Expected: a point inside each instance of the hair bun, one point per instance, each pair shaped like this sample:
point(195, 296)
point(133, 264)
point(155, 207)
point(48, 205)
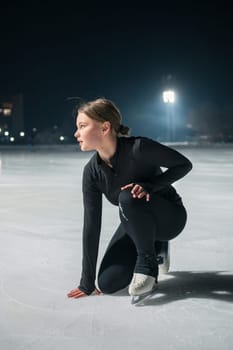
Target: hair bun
point(124, 130)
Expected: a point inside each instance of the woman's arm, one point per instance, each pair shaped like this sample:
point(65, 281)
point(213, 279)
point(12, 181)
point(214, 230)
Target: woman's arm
point(92, 201)
point(91, 234)
point(154, 154)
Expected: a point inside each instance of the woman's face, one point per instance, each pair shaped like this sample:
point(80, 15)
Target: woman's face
point(89, 133)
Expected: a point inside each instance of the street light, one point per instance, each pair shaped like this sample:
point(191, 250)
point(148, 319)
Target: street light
point(169, 99)
point(169, 96)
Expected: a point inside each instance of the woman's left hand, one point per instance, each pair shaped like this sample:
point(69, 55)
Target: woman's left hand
point(77, 293)
point(137, 191)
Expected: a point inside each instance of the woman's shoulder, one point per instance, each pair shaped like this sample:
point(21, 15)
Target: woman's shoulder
point(139, 142)
point(132, 140)
point(139, 145)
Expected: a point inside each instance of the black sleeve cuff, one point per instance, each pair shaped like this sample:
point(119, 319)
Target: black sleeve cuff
point(86, 291)
point(147, 186)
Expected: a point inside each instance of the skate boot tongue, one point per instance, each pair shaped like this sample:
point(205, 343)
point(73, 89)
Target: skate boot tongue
point(141, 283)
point(139, 279)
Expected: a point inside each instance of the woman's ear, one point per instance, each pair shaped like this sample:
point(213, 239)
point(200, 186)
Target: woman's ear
point(106, 127)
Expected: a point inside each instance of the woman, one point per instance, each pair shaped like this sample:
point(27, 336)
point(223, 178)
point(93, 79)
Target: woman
point(127, 171)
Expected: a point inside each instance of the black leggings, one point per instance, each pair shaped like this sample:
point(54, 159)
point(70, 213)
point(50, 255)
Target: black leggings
point(142, 224)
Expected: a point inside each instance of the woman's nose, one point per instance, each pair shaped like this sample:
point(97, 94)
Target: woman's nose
point(76, 134)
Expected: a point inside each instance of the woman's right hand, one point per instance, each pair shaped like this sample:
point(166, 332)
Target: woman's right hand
point(137, 191)
point(77, 293)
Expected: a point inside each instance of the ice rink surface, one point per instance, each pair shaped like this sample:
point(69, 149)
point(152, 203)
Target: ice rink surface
point(40, 260)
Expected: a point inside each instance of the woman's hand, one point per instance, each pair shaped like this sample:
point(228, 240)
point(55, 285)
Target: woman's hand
point(137, 191)
point(77, 293)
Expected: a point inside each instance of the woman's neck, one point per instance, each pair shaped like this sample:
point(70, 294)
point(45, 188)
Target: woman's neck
point(108, 150)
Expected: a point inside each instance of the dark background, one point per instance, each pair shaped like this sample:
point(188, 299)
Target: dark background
point(126, 52)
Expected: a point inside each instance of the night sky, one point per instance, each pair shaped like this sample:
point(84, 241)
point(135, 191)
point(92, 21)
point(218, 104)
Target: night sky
point(122, 52)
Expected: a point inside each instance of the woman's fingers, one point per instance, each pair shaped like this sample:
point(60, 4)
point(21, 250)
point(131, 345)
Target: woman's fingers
point(135, 188)
point(141, 194)
point(127, 186)
point(144, 194)
point(137, 191)
point(77, 293)
point(74, 292)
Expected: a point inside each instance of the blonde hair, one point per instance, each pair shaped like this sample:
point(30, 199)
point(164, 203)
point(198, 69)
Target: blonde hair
point(103, 110)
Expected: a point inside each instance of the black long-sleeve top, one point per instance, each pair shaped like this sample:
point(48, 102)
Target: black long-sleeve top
point(136, 160)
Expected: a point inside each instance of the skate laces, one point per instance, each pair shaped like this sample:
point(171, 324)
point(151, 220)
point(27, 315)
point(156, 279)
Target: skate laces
point(139, 280)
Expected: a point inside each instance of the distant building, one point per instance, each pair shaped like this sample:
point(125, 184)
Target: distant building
point(11, 114)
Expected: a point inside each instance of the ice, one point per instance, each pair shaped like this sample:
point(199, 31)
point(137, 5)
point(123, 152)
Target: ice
point(40, 249)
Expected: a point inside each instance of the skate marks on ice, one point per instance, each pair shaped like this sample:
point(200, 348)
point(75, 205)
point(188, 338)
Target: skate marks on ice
point(37, 291)
point(181, 285)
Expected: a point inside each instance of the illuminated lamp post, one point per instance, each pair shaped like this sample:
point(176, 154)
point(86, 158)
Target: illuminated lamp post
point(169, 100)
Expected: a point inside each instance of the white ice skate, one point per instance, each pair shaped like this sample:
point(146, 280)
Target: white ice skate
point(141, 287)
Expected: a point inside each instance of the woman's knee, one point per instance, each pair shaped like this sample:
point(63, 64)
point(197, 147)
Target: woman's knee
point(125, 197)
point(110, 285)
point(126, 204)
point(105, 288)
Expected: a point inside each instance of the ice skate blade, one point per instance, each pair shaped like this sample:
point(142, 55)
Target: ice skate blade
point(138, 299)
